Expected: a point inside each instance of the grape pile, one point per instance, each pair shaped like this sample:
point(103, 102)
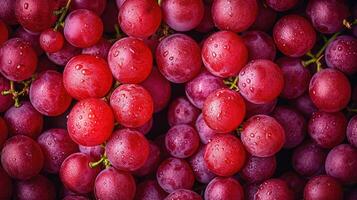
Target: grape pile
point(178, 99)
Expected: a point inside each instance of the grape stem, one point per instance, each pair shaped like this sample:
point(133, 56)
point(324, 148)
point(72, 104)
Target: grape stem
point(62, 12)
point(232, 83)
point(103, 159)
point(17, 94)
point(348, 24)
point(352, 110)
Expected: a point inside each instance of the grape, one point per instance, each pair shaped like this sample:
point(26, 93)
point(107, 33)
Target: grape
point(51, 41)
point(224, 110)
point(5, 100)
point(132, 105)
point(352, 131)
point(18, 60)
point(101, 49)
point(21, 157)
point(90, 122)
point(96, 6)
point(262, 136)
point(295, 182)
point(234, 16)
point(257, 109)
point(56, 146)
point(95, 152)
point(149, 190)
point(296, 77)
point(258, 169)
point(152, 163)
point(130, 60)
point(341, 162)
point(250, 190)
point(75, 197)
point(174, 174)
point(30, 37)
point(48, 95)
point(181, 111)
point(24, 120)
point(294, 35)
point(224, 54)
point(36, 15)
point(178, 58)
point(182, 15)
point(258, 88)
point(183, 194)
point(83, 28)
point(62, 56)
point(182, 141)
point(327, 15)
point(330, 90)
point(225, 155)
point(110, 17)
point(224, 188)
point(323, 187)
point(134, 13)
point(294, 125)
point(38, 187)
point(113, 184)
point(341, 54)
point(308, 159)
point(304, 104)
point(7, 12)
point(119, 3)
point(4, 32)
point(265, 18)
point(274, 189)
point(199, 167)
point(87, 76)
point(198, 89)
point(6, 185)
point(159, 89)
point(77, 175)
point(145, 129)
point(206, 23)
point(327, 129)
point(205, 133)
point(260, 45)
point(127, 150)
point(280, 6)
point(3, 132)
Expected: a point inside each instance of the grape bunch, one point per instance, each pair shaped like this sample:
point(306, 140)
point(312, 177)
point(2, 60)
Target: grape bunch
point(178, 99)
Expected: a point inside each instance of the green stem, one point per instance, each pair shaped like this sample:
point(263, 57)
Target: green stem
point(327, 43)
point(117, 31)
point(95, 164)
point(352, 109)
point(308, 62)
point(63, 12)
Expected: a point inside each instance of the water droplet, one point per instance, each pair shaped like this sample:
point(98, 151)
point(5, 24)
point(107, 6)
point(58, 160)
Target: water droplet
point(131, 50)
point(21, 53)
point(78, 67)
point(214, 54)
point(84, 71)
point(116, 53)
point(252, 135)
point(26, 5)
point(171, 58)
point(248, 80)
point(251, 89)
point(243, 85)
point(9, 61)
point(18, 66)
point(215, 45)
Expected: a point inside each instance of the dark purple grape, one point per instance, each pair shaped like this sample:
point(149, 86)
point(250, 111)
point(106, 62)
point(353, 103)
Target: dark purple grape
point(280, 6)
point(6, 185)
point(183, 194)
point(204, 131)
point(259, 109)
point(265, 19)
point(152, 163)
point(149, 190)
point(260, 45)
point(295, 182)
point(7, 12)
point(293, 123)
point(323, 187)
point(24, 120)
point(96, 6)
point(100, 49)
point(3, 132)
point(274, 189)
point(56, 146)
point(206, 23)
point(250, 189)
point(296, 77)
point(199, 167)
point(258, 169)
point(225, 189)
point(5, 100)
point(62, 56)
point(352, 131)
point(38, 187)
point(95, 152)
point(341, 162)
point(308, 159)
point(181, 111)
point(30, 37)
point(304, 104)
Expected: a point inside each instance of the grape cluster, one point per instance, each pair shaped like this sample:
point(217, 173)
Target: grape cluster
point(178, 99)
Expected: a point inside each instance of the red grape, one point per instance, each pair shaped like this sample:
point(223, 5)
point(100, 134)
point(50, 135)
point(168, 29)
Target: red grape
point(294, 35)
point(100, 49)
point(113, 184)
point(146, 128)
point(83, 28)
point(96, 6)
point(127, 150)
point(295, 182)
point(224, 189)
point(258, 169)
point(224, 54)
point(6, 185)
point(5, 100)
point(132, 105)
point(77, 175)
point(272, 189)
point(87, 76)
point(62, 56)
point(280, 6)
point(262, 136)
point(199, 167)
point(30, 37)
point(56, 146)
point(21, 157)
point(256, 86)
point(38, 187)
point(234, 16)
point(130, 60)
point(181, 111)
point(178, 58)
point(224, 110)
point(352, 131)
point(18, 60)
point(323, 187)
point(183, 15)
point(149, 190)
point(260, 45)
point(259, 109)
point(174, 174)
point(51, 41)
point(134, 14)
point(90, 122)
point(48, 94)
point(225, 155)
point(183, 194)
